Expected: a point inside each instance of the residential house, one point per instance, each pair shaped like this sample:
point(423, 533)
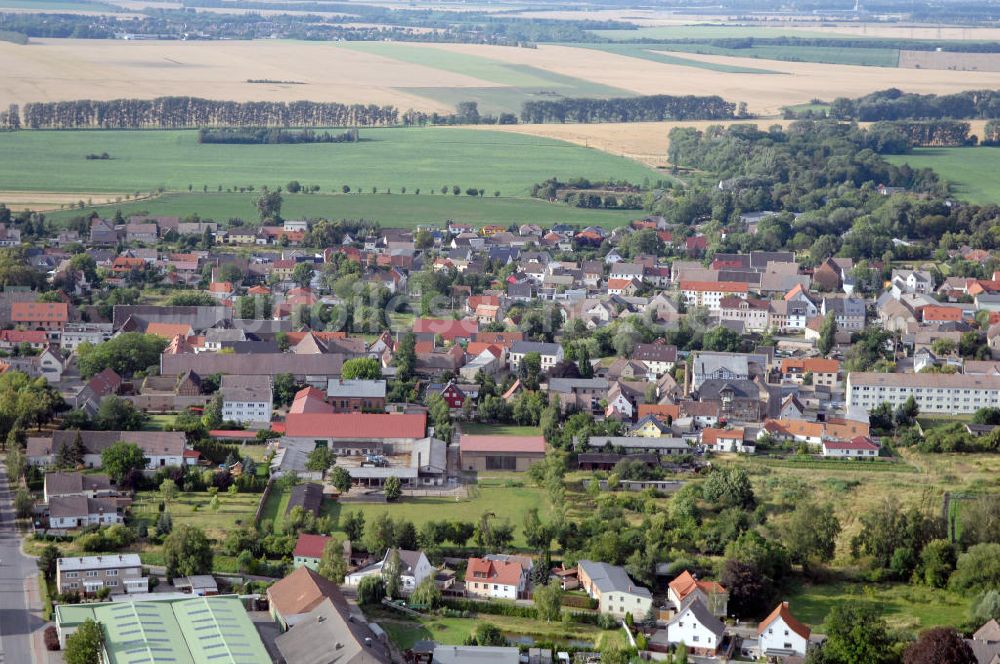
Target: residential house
point(659, 358)
point(698, 629)
point(16, 339)
point(709, 294)
point(79, 511)
point(119, 573)
point(782, 635)
point(103, 384)
point(74, 334)
point(551, 354)
point(849, 312)
point(353, 395)
point(579, 393)
point(148, 233)
point(860, 447)
point(614, 591)
point(686, 588)
point(161, 448)
point(413, 568)
point(726, 440)
point(823, 372)
point(829, 275)
point(451, 393)
point(309, 550)
point(512, 453)
point(247, 399)
point(48, 316)
point(345, 635)
point(495, 579)
point(76, 484)
point(748, 314)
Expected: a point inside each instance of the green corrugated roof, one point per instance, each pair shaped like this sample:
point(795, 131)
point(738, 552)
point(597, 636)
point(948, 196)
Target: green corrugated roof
point(71, 615)
point(200, 630)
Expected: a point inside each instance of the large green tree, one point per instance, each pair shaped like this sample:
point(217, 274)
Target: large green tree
point(187, 551)
point(361, 368)
point(121, 459)
point(84, 645)
point(810, 534)
point(857, 634)
point(126, 354)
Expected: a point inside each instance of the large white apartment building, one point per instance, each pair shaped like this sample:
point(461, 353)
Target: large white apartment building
point(709, 294)
point(934, 393)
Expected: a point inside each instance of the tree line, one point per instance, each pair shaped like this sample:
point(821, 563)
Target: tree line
point(937, 133)
point(182, 112)
point(834, 42)
point(650, 108)
point(273, 136)
point(894, 104)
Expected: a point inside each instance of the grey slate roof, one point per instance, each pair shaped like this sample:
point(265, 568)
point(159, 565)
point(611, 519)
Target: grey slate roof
point(370, 389)
point(611, 578)
point(240, 388)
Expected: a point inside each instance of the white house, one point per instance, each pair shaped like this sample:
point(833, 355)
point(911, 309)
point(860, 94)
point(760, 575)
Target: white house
point(697, 628)
point(495, 579)
point(551, 354)
point(861, 447)
point(70, 512)
point(780, 634)
point(247, 399)
point(709, 294)
point(414, 568)
point(616, 593)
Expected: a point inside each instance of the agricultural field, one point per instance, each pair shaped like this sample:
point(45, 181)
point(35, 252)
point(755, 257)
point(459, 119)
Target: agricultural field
point(971, 172)
point(395, 210)
point(838, 55)
point(434, 77)
point(424, 158)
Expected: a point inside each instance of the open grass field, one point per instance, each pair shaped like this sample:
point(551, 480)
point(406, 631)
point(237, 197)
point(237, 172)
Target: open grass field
point(904, 606)
point(405, 631)
point(971, 172)
point(395, 210)
point(234, 510)
point(425, 158)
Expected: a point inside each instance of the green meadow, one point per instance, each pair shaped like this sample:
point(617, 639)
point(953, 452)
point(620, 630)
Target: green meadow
point(386, 159)
point(396, 210)
point(971, 172)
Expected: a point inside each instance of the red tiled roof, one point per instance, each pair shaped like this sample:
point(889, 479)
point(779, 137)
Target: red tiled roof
point(528, 444)
point(310, 400)
point(858, 443)
point(685, 584)
point(714, 286)
point(782, 611)
point(29, 312)
point(353, 426)
point(810, 364)
point(712, 436)
point(234, 434)
point(24, 336)
point(448, 329)
point(495, 571)
point(310, 546)
point(942, 313)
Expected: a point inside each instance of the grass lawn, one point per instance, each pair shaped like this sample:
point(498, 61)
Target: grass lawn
point(396, 210)
point(904, 606)
point(932, 421)
point(969, 171)
point(235, 510)
point(425, 158)
point(159, 422)
point(479, 429)
point(453, 631)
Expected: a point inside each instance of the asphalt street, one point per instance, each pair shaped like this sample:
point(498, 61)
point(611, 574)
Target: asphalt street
point(16, 622)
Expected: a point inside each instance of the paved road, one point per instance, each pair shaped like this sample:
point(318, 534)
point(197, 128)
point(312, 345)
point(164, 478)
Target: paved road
point(16, 623)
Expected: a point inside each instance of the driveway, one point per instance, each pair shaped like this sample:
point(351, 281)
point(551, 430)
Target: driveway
point(17, 573)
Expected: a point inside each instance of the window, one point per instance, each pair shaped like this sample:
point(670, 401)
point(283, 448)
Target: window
point(92, 573)
point(114, 572)
point(695, 638)
point(72, 575)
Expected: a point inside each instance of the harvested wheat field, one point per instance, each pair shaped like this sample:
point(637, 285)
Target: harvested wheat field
point(766, 94)
point(64, 69)
point(645, 142)
point(49, 200)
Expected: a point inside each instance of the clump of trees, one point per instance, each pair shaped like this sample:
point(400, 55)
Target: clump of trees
point(651, 108)
point(273, 136)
